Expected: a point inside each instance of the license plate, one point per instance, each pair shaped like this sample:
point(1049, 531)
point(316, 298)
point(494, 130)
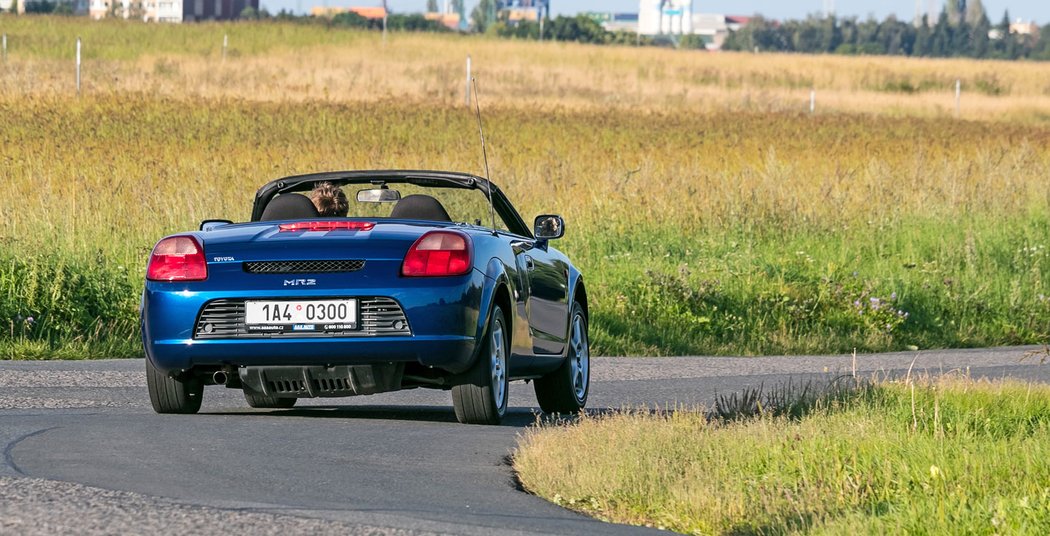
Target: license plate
point(301, 315)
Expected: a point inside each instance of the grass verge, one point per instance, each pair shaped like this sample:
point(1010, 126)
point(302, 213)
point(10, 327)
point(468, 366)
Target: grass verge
point(931, 457)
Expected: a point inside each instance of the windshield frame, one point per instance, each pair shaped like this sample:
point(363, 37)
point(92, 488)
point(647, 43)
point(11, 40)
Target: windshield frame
point(435, 179)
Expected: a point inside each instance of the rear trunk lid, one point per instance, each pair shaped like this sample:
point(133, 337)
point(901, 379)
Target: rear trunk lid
point(244, 243)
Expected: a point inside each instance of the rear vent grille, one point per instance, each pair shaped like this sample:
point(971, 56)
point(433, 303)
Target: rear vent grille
point(303, 267)
point(332, 385)
point(378, 317)
point(287, 386)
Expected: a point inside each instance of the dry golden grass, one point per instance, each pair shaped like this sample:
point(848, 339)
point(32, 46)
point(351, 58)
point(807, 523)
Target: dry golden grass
point(952, 456)
point(430, 68)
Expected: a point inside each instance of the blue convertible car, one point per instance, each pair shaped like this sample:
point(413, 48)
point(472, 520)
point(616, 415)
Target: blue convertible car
point(433, 280)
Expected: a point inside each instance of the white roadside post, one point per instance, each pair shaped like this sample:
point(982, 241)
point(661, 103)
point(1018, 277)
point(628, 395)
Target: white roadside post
point(225, 45)
point(466, 97)
point(958, 98)
point(386, 11)
point(812, 100)
point(5, 48)
point(78, 66)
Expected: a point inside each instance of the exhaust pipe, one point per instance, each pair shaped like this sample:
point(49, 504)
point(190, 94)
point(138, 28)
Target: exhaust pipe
point(220, 377)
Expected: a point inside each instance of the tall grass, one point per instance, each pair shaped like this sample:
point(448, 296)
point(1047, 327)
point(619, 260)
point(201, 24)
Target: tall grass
point(286, 61)
point(938, 457)
point(707, 229)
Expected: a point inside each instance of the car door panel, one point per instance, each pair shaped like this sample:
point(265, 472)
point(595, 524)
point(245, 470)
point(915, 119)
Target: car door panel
point(548, 300)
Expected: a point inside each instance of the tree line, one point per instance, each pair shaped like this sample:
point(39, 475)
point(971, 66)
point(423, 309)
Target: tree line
point(962, 29)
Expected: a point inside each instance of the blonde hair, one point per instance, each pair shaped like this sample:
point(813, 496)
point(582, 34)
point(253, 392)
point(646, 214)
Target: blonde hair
point(329, 200)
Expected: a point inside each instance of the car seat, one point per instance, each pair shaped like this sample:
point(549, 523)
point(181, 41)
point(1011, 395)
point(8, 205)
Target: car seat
point(420, 207)
point(289, 207)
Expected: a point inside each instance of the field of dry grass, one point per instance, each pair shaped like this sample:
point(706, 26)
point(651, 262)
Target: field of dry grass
point(710, 213)
point(279, 62)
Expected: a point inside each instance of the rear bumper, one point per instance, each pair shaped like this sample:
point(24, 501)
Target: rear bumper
point(449, 352)
point(442, 314)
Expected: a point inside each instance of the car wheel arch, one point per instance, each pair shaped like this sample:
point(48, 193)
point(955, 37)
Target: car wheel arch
point(579, 295)
point(496, 292)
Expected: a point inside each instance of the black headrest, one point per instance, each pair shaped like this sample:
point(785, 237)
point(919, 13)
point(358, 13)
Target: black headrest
point(420, 207)
point(289, 207)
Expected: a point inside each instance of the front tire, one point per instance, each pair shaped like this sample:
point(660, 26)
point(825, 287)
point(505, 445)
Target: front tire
point(483, 398)
point(259, 400)
point(171, 395)
point(565, 390)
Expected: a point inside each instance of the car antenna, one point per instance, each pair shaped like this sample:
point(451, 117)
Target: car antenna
point(484, 152)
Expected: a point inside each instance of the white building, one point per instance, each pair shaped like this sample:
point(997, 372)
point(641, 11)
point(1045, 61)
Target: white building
point(715, 28)
point(665, 17)
point(147, 10)
point(6, 5)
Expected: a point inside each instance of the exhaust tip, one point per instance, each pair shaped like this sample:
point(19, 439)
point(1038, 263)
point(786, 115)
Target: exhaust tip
point(220, 378)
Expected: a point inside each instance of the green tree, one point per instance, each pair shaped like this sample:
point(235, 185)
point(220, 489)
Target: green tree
point(1041, 51)
point(941, 40)
point(432, 6)
point(830, 36)
point(980, 44)
point(483, 15)
point(954, 9)
point(580, 28)
point(922, 38)
point(975, 12)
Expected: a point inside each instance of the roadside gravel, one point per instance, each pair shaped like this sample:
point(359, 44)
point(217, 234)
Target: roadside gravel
point(32, 506)
point(934, 361)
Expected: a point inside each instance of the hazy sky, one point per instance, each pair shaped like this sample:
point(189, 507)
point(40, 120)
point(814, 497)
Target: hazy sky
point(1039, 10)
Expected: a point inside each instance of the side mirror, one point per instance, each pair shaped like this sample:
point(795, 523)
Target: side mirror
point(548, 227)
point(208, 225)
point(378, 195)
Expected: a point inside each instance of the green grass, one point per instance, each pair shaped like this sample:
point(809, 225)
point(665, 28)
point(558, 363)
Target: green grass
point(734, 238)
point(944, 457)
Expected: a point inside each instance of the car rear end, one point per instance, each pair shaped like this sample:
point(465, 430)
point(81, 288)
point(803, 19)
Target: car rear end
point(287, 296)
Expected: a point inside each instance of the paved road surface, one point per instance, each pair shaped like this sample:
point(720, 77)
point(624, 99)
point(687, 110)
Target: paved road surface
point(83, 452)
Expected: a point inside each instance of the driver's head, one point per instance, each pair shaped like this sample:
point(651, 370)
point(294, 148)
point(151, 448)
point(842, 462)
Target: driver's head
point(329, 200)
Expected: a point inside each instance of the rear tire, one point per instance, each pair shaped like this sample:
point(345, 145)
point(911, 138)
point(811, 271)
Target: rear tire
point(259, 400)
point(170, 395)
point(565, 390)
point(483, 398)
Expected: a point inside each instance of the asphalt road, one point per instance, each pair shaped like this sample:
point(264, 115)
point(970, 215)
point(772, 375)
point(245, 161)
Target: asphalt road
point(84, 453)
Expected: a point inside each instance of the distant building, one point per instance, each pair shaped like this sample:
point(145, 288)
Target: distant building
point(1024, 28)
point(715, 28)
point(170, 10)
point(449, 17)
point(665, 17)
point(615, 22)
point(676, 18)
point(515, 11)
point(375, 13)
point(449, 20)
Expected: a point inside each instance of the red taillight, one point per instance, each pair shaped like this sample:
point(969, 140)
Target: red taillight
point(438, 253)
point(328, 226)
point(177, 258)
